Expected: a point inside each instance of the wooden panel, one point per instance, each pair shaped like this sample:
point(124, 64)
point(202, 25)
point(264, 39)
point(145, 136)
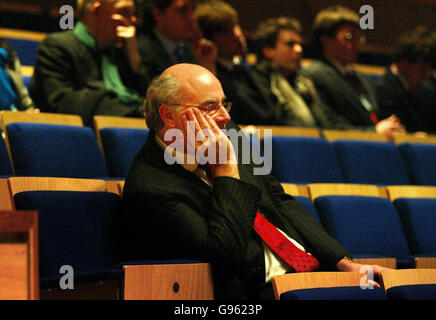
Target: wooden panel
point(405, 277)
point(119, 122)
point(22, 34)
point(157, 282)
point(307, 280)
point(332, 135)
point(384, 262)
point(40, 117)
point(425, 263)
point(20, 184)
point(14, 264)
point(114, 186)
point(395, 192)
point(295, 189)
point(19, 278)
point(27, 70)
point(281, 131)
point(120, 188)
point(5, 195)
point(342, 189)
point(411, 138)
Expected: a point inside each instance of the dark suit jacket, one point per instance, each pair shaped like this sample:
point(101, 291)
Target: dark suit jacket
point(154, 55)
point(171, 213)
point(304, 86)
point(394, 99)
point(425, 101)
point(340, 97)
point(68, 79)
point(252, 104)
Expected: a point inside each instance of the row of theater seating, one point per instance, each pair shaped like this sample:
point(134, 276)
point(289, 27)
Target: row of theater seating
point(79, 226)
point(57, 145)
point(396, 222)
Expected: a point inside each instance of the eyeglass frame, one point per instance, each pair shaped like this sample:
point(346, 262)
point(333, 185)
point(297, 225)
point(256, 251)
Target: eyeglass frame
point(203, 107)
point(349, 36)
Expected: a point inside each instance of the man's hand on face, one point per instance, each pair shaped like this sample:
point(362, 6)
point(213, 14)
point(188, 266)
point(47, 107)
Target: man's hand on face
point(126, 33)
point(203, 136)
point(204, 51)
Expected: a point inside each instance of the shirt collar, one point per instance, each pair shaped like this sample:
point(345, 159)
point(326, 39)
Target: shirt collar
point(181, 158)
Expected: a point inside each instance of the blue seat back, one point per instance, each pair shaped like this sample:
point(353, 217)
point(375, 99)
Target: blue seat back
point(412, 292)
point(335, 293)
point(365, 226)
point(26, 50)
point(55, 151)
point(370, 162)
point(120, 146)
point(420, 161)
point(75, 228)
point(419, 222)
point(304, 160)
point(308, 205)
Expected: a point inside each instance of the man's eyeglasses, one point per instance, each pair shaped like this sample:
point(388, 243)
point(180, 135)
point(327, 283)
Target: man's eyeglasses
point(207, 108)
point(349, 36)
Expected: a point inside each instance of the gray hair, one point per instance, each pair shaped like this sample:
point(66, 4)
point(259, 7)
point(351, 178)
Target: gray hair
point(163, 89)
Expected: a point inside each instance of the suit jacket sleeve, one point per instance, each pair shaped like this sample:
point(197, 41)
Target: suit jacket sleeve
point(61, 83)
point(315, 238)
point(219, 235)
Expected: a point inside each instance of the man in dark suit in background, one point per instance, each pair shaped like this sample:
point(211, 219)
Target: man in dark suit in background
point(252, 104)
point(396, 88)
point(211, 208)
point(94, 69)
point(280, 53)
point(172, 36)
point(347, 92)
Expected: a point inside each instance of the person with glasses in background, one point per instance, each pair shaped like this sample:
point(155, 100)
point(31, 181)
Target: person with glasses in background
point(347, 92)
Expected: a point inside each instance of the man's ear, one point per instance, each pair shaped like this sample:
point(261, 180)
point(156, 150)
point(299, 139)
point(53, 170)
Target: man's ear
point(267, 52)
point(167, 115)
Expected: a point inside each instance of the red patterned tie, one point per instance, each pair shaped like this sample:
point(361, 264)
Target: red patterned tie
point(296, 258)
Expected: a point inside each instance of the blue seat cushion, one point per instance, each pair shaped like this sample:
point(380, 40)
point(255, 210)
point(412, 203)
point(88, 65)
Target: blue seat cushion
point(5, 162)
point(308, 205)
point(420, 162)
point(120, 146)
point(335, 293)
point(79, 229)
point(369, 162)
point(55, 151)
point(304, 160)
point(412, 292)
point(360, 225)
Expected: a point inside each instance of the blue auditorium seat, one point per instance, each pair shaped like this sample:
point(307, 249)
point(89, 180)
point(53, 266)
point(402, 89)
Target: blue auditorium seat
point(120, 146)
point(304, 160)
point(48, 150)
point(26, 81)
point(76, 229)
point(419, 223)
point(368, 227)
point(412, 292)
point(26, 50)
point(370, 162)
point(5, 162)
point(335, 293)
point(308, 205)
point(420, 161)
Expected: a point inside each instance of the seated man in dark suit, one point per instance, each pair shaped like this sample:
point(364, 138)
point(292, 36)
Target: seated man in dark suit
point(252, 103)
point(348, 93)
point(426, 102)
point(213, 207)
point(172, 36)
point(280, 45)
point(94, 69)
point(396, 88)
